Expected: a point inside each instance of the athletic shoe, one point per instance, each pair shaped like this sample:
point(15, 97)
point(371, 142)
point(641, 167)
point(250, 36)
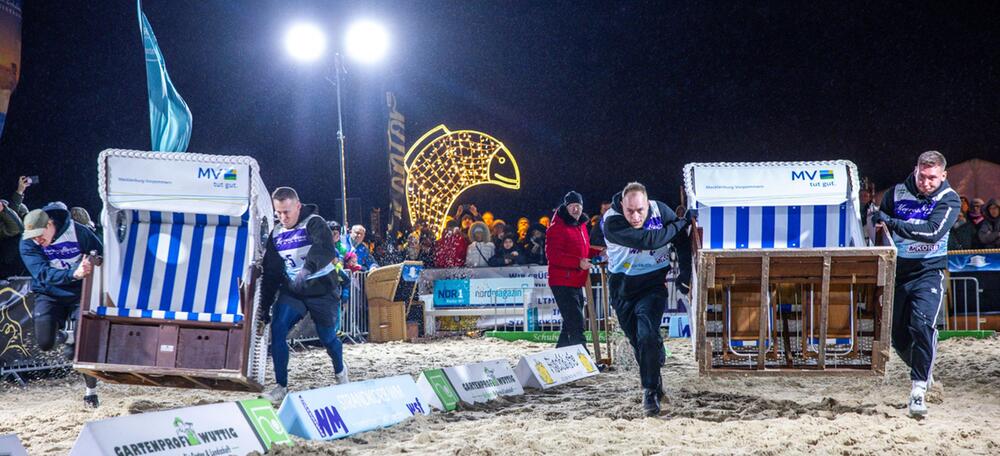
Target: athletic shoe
point(650, 402)
point(91, 401)
point(275, 395)
point(340, 378)
point(918, 407)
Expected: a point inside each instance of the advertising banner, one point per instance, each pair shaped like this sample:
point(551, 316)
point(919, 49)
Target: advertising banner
point(779, 185)
point(483, 382)
point(481, 292)
point(437, 390)
point(396, 145)
point(228, 428)
point(342, 410)
point(555, 367)
point(976, 262)
point(148, 184)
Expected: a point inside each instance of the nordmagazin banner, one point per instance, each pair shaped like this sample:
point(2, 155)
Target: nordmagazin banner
point(10, 53)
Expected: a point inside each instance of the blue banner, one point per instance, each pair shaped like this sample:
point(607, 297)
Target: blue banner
point(974, 262)
point(169, 117)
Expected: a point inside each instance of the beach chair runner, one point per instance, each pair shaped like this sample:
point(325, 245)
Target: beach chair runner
point(764, 209)
point(175, 301)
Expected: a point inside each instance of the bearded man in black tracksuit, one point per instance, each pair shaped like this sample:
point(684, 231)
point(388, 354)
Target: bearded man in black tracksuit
point(920, 213)
point(638, 233)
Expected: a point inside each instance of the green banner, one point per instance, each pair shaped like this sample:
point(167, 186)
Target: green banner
point(538, 336)
point(945, 335)
point(442, 387)
point(265, 422)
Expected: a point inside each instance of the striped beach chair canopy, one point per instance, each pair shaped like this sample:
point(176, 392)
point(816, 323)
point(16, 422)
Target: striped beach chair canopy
point(776, 204)
point(181, 232)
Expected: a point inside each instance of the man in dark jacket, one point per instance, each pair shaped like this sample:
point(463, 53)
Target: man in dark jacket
point(508, 253)
point(989, 230)
point(298, 268)
point(54, 249)
point(11, 213)
point(567, 248)
point(919, 212)
point(638, 233)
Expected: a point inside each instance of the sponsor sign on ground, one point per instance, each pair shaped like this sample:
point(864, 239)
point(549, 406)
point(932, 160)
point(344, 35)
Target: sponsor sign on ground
point(216, 430)
point(437, 390)
point(555, 367)
point(10, 445)
point(342, 410)
point(483, 382)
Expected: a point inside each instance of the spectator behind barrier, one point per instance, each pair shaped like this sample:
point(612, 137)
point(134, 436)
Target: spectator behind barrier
point(358, 246)
point(450, 250)
point(989, 230)
point(534, 245)
point(11, 213)
point(963, 234)
point(481, 249)
point(508, 253)
point(976, 212)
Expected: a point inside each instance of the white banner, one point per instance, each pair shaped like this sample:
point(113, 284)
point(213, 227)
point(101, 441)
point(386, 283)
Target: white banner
point(789, 185)
point(216, 429)
point(483, 382)
point(555, 367)
point(342, 410)
point(178, 186)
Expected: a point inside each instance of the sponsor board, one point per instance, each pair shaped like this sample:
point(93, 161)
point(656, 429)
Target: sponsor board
point(215, 430)
point(777, 185)
point(483, 382)
point(433, 384)
point(10, 445)
point(481, 292)
point(555, 367)
point(265, 422)
point(148, 184)
point(338, 411)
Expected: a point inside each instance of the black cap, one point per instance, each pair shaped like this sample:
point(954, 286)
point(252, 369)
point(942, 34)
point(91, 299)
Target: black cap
point(572, 197)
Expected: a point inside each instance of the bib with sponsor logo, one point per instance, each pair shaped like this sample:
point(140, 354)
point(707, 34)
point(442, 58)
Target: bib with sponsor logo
point(632, 262)
point(64, 252)
point(916, 210)
point(293, 245)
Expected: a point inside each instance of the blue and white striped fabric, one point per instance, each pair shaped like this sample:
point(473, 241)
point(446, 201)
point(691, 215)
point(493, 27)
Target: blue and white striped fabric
point(179, 266)
point(777, 227)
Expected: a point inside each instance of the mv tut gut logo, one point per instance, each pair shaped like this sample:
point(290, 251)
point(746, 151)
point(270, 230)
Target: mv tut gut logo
point(223, 177)
point(817, 178)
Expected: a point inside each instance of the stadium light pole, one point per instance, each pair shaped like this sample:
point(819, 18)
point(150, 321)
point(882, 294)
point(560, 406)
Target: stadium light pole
point(366, 42)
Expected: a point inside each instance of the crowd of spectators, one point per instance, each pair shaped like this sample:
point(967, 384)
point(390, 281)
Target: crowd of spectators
point(977, 227)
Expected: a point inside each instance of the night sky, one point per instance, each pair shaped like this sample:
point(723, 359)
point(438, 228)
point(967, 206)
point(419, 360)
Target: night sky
point(586, 95)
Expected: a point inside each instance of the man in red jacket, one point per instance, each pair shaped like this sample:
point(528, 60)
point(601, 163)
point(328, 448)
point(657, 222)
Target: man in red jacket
point(568, 250)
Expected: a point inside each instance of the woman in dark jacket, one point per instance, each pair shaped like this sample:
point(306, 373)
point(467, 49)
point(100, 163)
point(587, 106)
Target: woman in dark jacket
point(989, 230)
point(567, 247)
point(508, 253)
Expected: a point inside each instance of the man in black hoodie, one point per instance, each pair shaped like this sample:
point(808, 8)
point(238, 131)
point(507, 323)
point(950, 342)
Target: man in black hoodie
point(638, 233)
point(297, 267)
point(53, 248)
point(919, 212)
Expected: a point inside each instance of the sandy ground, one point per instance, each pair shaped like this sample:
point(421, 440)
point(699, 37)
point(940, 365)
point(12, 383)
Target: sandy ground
point(599, 415)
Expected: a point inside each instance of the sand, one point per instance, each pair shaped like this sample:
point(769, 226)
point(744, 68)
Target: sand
point(600, 415)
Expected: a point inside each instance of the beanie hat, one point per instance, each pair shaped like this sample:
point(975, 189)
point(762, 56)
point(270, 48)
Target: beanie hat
point(572, 197)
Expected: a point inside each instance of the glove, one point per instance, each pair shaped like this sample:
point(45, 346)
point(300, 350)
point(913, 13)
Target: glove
point(880, 217)
point(691, 214)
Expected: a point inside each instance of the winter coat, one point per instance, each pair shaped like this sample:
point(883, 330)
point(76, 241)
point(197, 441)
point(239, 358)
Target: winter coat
point(989, 230)
point(450, 250)
point(481, 249)
point(963, 237)
point(567, 241)
point(46, 278)
point(513, 256)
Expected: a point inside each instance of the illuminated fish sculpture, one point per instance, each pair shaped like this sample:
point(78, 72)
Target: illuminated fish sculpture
point(443, 163)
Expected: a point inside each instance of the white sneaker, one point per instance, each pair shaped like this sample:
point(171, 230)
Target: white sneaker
point(340, 378)
point(918, 406)
point(275, 395)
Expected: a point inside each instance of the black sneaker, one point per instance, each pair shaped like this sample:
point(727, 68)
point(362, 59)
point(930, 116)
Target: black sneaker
point(650, 402)
point(91, 401)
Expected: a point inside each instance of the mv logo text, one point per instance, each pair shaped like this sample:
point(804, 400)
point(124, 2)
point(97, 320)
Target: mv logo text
point(825, 177)
point(226, 175)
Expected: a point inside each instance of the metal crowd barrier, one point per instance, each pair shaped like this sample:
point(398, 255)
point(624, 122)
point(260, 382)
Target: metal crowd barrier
point(354, 314)
point(961, 289)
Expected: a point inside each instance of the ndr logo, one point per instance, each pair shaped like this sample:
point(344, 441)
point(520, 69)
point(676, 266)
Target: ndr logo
point(824, 174)
point(228, 174)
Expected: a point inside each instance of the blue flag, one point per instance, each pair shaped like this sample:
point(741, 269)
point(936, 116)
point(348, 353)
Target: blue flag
point(169, 116)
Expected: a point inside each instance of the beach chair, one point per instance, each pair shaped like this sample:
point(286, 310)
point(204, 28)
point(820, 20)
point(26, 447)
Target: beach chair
point(176, 300)
point(784, 276)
